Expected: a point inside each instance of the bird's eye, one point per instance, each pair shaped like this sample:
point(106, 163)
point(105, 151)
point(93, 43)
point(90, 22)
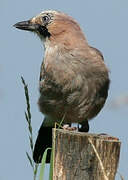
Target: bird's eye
point(45, 19)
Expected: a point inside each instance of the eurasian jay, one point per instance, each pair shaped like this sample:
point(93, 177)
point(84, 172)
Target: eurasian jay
point(74, 79)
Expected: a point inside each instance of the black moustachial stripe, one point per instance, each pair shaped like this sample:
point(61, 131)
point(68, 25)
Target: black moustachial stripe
point(43, 31)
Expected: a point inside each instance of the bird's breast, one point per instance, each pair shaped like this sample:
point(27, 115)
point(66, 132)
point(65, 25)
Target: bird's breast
point(71, 85)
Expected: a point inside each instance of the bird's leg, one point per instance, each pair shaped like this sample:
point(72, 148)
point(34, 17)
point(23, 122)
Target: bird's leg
point(84, 127)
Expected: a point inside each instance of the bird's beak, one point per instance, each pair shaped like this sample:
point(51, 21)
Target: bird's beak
point(32, 26)
point(26, 25)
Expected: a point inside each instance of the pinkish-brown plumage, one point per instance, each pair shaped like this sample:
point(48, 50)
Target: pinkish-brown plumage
point(74, 80)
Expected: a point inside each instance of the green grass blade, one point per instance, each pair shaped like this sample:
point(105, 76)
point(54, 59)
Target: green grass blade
point(43, 164)
point(52, 154)
point(29, 123)
point(29, 158)
point(51, 166)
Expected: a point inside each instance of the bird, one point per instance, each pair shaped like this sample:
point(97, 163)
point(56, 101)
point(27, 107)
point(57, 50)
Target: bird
point(74, 80)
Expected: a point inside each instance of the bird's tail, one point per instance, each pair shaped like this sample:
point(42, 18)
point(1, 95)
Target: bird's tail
point(43, 141)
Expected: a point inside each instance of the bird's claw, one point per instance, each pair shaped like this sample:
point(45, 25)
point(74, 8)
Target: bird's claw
point(67, 127)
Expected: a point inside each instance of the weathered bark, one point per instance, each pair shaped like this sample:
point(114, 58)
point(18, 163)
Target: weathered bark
point(84, 156)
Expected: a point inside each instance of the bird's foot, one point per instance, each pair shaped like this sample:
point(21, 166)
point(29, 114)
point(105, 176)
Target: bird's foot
point(67, 127)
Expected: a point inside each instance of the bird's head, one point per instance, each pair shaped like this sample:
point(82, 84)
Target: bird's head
point(54, 26)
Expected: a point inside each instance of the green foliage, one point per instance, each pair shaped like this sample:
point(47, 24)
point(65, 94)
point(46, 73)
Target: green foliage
point(43, 164)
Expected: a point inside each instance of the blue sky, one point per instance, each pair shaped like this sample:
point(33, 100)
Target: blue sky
point(105, 24)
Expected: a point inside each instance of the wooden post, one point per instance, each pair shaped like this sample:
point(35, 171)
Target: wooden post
point(84, 156)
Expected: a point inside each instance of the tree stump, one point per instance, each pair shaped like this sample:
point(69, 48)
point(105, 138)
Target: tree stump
point(84, 156)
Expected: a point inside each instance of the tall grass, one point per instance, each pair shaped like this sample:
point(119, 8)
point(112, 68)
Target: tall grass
point(28, 119)
point(35, 167)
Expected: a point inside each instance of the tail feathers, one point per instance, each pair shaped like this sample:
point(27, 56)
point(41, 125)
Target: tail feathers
point(43, 141)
